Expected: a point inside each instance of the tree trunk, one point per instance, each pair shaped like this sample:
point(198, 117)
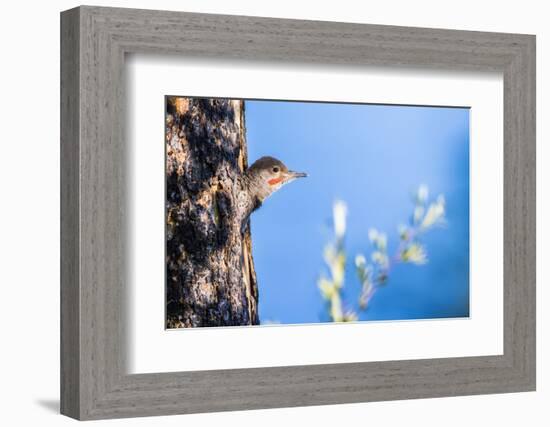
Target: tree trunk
point(210, 276)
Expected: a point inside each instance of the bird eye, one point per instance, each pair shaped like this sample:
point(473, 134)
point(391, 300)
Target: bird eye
point(275, 169)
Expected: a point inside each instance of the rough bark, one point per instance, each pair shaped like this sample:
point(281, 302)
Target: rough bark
point(209, 268)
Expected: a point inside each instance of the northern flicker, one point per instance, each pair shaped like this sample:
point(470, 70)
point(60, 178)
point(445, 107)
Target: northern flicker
point(265, 176)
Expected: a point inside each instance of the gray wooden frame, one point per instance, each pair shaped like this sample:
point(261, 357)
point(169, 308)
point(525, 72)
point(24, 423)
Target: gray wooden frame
point(94, 42)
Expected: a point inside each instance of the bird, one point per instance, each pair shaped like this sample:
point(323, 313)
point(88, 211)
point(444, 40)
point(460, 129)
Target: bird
point(260, 180)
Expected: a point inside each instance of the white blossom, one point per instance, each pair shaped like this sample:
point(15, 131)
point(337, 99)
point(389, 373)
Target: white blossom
point(435, 214)
point(415, 253)
point(422, 194)
point(339, 211)
point(373, 234)
point(360, 261)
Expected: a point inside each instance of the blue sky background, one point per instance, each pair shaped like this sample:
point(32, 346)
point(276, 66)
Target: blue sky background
point(373, 157)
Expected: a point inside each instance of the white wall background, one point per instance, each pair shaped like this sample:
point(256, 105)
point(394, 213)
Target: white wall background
point(29, 214)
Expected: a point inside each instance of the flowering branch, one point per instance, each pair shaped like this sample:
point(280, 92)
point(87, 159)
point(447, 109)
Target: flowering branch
point(410, 249)
point(335, 259)
point(375, 273)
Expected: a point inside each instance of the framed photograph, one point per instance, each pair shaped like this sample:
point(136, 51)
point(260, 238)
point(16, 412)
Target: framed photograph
point(261, 213)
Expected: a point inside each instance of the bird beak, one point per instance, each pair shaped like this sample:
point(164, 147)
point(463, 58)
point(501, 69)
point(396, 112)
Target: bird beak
point(293, 175)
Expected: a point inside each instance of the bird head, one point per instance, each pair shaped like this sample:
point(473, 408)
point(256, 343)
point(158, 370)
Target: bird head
point(267, 174)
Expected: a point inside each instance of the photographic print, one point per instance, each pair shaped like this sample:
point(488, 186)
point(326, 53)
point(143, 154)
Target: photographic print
point(298, 212)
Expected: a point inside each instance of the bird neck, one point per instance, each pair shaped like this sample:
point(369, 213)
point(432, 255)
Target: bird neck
point(257, 189)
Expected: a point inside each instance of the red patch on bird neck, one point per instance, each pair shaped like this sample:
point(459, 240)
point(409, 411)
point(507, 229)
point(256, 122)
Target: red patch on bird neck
point(274, 181)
